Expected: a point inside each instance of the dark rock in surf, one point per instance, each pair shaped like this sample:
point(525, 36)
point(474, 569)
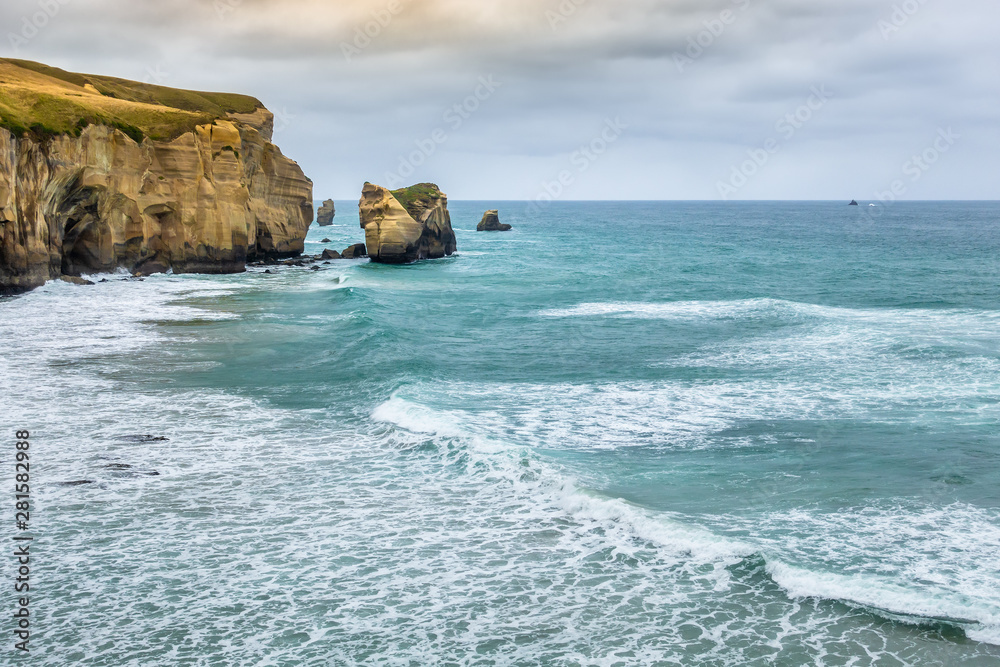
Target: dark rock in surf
point(75, 280)
point(491, 223)
point(330, 254)
point(355, 251)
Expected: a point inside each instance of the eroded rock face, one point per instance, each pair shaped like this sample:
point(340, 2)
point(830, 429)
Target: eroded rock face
point(326, 213)
point(406, 225)
point(491, 223)
point(202, 203)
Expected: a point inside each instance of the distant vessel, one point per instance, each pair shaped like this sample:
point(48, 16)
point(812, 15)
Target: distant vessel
point(853, 203)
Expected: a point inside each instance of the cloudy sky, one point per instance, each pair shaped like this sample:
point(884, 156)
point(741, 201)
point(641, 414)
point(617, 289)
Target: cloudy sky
point(587, 99)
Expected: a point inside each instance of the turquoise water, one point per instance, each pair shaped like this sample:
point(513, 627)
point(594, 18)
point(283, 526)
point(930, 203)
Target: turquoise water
point(622, 434)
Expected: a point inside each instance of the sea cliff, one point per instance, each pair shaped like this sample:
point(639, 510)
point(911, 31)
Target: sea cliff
point(146, 179)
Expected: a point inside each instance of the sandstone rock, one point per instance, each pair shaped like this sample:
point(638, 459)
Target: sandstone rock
point(93, 199)
point(491, 223)
point(355, 251)
point(330, 254)
point(326, 241)
point(326, 213)
point(406, 225)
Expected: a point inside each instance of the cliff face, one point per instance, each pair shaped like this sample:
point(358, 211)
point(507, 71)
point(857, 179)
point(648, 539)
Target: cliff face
point(95, 199)
point(406, 225)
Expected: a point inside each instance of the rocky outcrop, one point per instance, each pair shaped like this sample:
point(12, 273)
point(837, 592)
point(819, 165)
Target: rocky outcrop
point(326, 213)
point(330, 254)
point(491, 223)
point(356, 251)
point(97, 199)
point(406, 225)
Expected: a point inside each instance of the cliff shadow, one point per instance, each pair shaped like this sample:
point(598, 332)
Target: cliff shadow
point(86, 239)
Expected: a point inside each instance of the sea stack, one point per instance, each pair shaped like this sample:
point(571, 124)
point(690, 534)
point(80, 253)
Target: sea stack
point(326, 214)
point(98, 174)
point(406, 225)
point(491, 223)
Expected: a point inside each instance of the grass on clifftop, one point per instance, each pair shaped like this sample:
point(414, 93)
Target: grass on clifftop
point(426, 193)
point(46, 101)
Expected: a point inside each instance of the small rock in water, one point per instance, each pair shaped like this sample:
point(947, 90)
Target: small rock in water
point(326, 241)
point(355, 251)
point(75, 280)
point(142, 438)
point(491, 223)
point(326, 213)
point(80, 482)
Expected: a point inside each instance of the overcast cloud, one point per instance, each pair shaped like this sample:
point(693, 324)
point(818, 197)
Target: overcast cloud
point(869, 85)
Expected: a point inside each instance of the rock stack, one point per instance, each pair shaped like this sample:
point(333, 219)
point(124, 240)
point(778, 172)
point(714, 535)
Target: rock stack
point(491, 223)
point(406, 225)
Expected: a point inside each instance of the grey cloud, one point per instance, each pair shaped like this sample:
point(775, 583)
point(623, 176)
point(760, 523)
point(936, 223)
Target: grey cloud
point(352, 120)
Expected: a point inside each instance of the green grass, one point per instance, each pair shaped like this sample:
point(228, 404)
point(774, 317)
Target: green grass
point(27, 111)
point(43, 116)
point(425, 193)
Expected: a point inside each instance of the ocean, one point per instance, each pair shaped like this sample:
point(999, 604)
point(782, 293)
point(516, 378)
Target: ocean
point(625, 433)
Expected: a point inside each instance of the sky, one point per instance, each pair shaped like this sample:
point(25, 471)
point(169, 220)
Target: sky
point(577, 99)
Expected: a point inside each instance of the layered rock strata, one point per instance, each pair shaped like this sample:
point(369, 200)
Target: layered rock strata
point(100, 197)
